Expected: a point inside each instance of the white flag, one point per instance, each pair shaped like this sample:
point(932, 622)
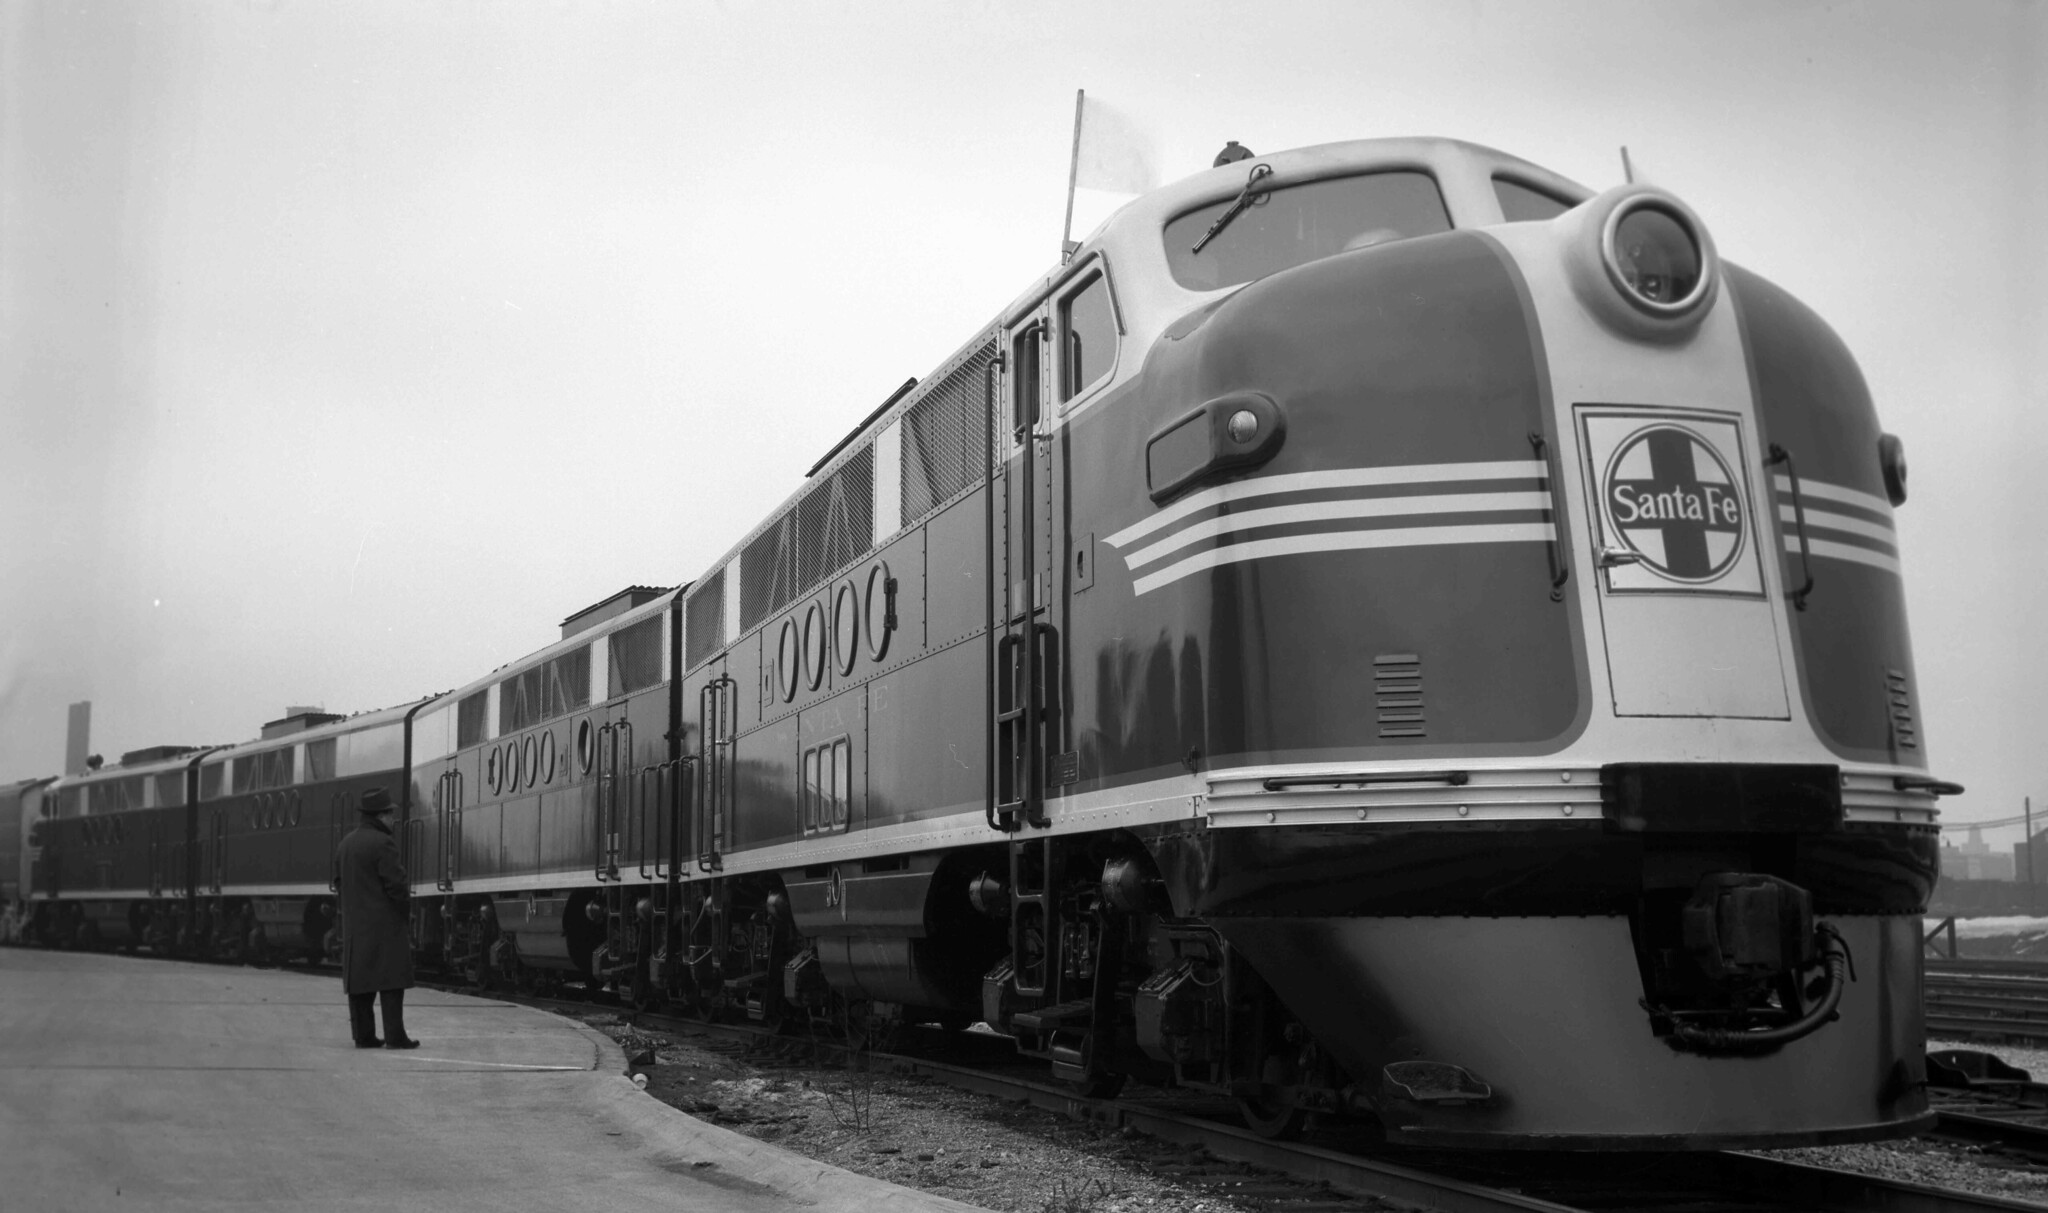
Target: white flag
point(1112, 152)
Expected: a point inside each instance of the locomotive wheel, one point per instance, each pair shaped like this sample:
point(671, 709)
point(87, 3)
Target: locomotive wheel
point(1274, 1122)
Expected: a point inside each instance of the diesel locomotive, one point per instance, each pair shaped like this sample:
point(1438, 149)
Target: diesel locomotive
point(1379, 630)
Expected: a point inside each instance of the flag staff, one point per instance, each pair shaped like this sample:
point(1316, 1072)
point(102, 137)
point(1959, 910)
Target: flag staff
point(1067, 245)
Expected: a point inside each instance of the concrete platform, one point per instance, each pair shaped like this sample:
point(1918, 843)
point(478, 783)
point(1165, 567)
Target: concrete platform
point(133, 1083)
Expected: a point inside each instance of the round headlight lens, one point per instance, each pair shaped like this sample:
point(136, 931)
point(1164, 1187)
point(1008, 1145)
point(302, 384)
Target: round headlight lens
point(1656, 257)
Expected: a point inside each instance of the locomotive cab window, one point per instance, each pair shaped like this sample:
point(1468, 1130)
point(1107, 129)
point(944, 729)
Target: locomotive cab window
point(1294, 225)
point(1521, 203)
point(1087, 337)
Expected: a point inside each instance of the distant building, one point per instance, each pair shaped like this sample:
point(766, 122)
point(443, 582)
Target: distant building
point(2020, 868)
point(1974, 860)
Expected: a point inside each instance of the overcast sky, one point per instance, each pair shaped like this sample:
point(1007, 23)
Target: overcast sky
point(347, 348)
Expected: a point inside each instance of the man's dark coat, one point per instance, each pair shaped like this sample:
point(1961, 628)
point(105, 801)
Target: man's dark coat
point(376, 946)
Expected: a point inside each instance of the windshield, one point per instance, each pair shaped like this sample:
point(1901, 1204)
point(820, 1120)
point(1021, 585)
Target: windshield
point(1302, 223)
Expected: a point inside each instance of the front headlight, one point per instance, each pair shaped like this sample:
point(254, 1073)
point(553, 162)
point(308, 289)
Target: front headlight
point(1642, 262)
point(1653, 256)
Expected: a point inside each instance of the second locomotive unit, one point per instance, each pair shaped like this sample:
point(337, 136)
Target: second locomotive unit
point(1379, 630)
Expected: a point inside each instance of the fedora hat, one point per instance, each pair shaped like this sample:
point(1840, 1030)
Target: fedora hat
point(376, 800)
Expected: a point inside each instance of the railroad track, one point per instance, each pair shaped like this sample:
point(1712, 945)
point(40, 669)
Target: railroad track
point(1527, 1182)
point(1987, 999)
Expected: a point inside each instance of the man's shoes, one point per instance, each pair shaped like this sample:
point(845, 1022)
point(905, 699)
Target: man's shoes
point(369, 1042)
point(401, 1042)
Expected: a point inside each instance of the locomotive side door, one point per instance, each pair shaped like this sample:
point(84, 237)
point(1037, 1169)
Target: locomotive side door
point(1024, 690)
point(717, 733)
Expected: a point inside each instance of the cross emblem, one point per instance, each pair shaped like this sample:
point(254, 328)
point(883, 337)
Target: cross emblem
point(1669, 496)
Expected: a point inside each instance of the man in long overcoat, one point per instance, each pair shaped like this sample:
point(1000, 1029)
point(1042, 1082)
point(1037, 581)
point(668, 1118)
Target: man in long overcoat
point(376, 944)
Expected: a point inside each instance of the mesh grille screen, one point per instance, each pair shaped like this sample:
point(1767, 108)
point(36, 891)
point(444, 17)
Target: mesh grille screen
point(706, 619)
point(469, 720)
point(944, 436)
point(636, 656)
point(836, 521)
point(768, 572)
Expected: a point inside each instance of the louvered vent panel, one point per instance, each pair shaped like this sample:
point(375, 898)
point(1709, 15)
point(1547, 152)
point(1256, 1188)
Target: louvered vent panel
point(836, 520)
point(944, 436)
point(1397, 691)
point(705, 618)
point(768, 572)
point(1904, 733)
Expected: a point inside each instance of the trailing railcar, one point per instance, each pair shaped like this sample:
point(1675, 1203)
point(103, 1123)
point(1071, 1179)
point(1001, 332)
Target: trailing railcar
point(109, 852)
point(222, 851)
point(20, 808)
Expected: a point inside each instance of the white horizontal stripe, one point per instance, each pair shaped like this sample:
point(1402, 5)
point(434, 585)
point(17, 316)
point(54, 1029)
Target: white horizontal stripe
point(1828, 521)
point(1842, 551)
point(1835, 492)
point(1325, 511)
point(99, 895)
point(423, 886)
point(232, 889)
point(1340, 478)
point(1344, 541)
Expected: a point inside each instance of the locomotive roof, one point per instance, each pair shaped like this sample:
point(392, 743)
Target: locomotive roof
point(606, 627)
point(353, 724)
point(116, 770)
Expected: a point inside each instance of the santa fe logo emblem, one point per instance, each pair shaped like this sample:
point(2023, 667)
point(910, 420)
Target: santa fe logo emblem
point(1671, 497)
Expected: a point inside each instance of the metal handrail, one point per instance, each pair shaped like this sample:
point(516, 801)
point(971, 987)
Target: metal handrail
point(1780, 455)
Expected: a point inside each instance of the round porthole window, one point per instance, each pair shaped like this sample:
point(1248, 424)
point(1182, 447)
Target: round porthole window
point(586, 745)
point(845, 627)
point(815, 640)
point(788, 660)
point(547, 756)
point(297, 803)
point(494, 764)
point(879, 615)
point(530, 750)
point(512, 765)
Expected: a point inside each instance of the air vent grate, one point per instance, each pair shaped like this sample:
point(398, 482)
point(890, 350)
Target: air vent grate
point(704, 625)
point(945, 435)
point(1397, 690)
point(836, 519)
point(1905, 734)
point(768, 572)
